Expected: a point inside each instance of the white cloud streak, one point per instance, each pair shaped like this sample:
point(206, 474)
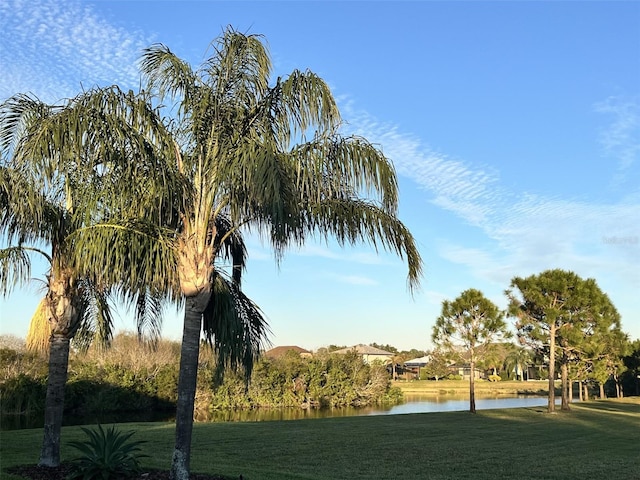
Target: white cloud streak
point(621, 139)
point(470, 193)
point(530, 232)
point(70, 42)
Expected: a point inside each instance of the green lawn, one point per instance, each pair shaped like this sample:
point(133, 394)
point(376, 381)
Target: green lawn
point(599, 439)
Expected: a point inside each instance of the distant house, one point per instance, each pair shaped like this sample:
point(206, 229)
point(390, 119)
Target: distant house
point(418, 362)
point(411, 368)
point(464, 370)
point(278, 352)
point(369, 354)
point(414, 365)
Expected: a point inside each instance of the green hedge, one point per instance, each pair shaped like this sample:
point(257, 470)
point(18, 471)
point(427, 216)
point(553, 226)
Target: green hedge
point(110, 386)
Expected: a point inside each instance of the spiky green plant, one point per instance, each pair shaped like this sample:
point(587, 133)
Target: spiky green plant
point(106, 454)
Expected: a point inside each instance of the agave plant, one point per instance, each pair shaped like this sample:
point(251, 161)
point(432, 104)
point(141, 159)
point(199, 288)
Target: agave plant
point(106, 454)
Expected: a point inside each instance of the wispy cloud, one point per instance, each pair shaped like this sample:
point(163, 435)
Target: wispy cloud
point(471, 193)
point(621, 138)
point(70, 42)
point(529, 231)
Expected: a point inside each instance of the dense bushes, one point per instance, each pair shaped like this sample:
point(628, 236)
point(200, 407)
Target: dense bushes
point(293, 381)
point(131, 377)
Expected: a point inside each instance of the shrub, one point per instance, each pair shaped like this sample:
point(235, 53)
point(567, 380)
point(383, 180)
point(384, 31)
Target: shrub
point(106, 454)
point(22, 394)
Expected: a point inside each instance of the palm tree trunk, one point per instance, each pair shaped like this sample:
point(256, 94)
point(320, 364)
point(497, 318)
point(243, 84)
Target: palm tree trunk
point(187, 386)
point(472, 393)
point(601, 385)
point(54, 400)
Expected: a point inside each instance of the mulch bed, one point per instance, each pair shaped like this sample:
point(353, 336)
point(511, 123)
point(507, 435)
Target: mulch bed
point(35, 472)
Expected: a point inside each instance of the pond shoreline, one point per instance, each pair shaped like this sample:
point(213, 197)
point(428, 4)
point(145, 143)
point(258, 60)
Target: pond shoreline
point(461, 387)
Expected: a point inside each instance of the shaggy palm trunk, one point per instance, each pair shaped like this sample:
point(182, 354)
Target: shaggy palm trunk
point(472, 390)
point(63, 306)
point(54, 401)
point(190, 351)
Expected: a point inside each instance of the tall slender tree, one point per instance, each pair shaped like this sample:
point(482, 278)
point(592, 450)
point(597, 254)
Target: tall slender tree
point(52, 186)
point(466, 326)
point(263, 157)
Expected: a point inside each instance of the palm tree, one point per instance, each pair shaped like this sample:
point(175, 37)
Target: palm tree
point(518, 361)
point(265, 158)
point(53, 185)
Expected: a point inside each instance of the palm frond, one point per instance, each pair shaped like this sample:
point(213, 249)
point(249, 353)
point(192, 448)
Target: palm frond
point(18, 114)
point(148, 314)
point(29, 216)
point(238, 70)
point(15, 268)
point(230, 245)
point(260, 188)
point(97, 313)
point(335, 165)
point(304, 101)
point(351, 221)
point(133, 254)
point(165, 72)
point(234, 326)
point(71, 143)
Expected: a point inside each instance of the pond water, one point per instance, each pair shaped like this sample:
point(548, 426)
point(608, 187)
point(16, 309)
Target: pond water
point(454, 403)
point(412, 404)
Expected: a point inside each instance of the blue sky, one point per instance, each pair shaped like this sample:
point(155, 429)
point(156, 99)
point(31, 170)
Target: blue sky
point(514, 128)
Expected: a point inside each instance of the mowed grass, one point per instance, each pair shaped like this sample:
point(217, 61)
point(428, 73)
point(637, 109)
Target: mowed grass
point(599, 439)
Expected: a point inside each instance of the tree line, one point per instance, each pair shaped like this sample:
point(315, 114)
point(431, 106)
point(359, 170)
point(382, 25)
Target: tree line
point(567, 321)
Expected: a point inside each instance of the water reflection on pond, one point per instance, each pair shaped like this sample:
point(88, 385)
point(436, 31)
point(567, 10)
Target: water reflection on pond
point(452, 403)
point(412, 404)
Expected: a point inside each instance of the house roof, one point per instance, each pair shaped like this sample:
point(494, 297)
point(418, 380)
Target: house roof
point(364, 350)
point(278, 352)
point(418, 361)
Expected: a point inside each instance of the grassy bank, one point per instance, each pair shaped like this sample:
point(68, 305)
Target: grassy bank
point(461, 387)
point(596, 440)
